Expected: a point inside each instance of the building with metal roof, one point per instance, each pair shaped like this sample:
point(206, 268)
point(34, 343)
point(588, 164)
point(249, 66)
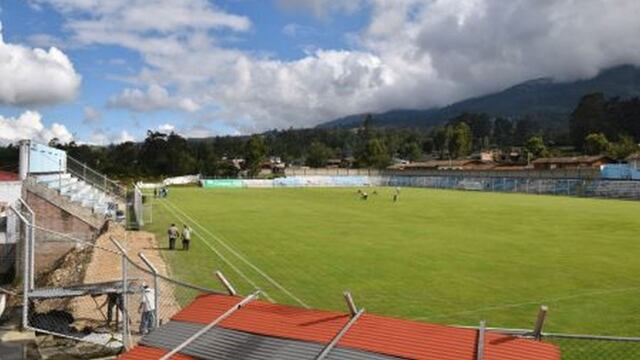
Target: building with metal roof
point(229, 327)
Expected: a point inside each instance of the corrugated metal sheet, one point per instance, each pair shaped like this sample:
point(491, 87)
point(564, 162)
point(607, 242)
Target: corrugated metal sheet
point(148, 353)
point(219, 343)
point(376, 334)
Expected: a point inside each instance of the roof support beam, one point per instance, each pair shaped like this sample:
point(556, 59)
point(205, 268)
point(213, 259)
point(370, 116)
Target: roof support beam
point(352, 305)
point(339, 336)
point(215, 322)
point(542, 314)
point(480, 342)
point(227, 285)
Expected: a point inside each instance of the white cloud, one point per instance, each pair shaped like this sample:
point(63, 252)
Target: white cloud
point(322, 7)
point(91, 116)
point(35, 76)
point(412, 53)
point(28, 125)
point(295, 30)
point(104, 137)
point(154, 98)
point(166, 128)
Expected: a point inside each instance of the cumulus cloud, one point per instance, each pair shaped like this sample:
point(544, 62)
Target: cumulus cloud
point(104, 137)
point(295, 30)
point(154, 98)
point(411, 53)
point(91, 116)
point(35, 76)
point(322, 7)
point(166, 128)
point(28, 125)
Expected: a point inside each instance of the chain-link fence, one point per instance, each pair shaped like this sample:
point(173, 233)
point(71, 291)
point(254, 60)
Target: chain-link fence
point(585, 347)
point(619, 189)
point(92, 290)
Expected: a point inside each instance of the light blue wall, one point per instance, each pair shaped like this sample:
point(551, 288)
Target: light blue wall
point(45, 159)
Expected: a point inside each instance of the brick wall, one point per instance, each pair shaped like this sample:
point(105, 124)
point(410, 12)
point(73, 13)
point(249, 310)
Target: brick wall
point(49, 246)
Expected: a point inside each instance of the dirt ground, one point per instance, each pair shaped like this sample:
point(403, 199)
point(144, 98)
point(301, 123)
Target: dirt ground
point(106, 265)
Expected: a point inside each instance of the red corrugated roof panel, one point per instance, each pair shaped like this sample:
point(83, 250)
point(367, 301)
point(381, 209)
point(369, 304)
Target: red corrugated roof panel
point(401, 338)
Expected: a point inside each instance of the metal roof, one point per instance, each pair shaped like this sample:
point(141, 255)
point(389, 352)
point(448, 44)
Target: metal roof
point(110, 287)
point(220, 343)
point(262, 329)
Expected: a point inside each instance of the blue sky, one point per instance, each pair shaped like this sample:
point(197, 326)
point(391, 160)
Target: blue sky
point(103, 67)
point(214, 67)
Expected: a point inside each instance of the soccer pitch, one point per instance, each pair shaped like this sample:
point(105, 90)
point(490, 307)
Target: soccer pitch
point(448, 257)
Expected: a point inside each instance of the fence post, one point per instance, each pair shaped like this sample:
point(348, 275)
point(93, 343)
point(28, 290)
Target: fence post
point(125, 301)
point(542, 314)
point(25, 268)
point(227, 285)
point(480, 341)
point(156, 287)
point(60, 177)
point(31, 243)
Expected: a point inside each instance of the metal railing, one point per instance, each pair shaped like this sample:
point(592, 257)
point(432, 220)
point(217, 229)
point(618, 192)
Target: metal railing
point(95, 178)
point(580, 346)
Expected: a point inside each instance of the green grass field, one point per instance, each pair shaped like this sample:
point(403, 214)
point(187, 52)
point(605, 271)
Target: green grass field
point(448, 257)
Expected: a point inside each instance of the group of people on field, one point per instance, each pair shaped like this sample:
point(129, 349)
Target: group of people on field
point(160, 193)
point(173, 234)
point(365, 196)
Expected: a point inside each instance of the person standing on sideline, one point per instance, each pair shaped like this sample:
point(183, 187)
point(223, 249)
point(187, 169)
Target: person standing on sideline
point(186, 237)
point(148, 310)
point(173, 235)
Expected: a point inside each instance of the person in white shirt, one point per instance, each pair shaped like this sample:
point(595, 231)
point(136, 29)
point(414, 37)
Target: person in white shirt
point(186, 237)
point(148, 310)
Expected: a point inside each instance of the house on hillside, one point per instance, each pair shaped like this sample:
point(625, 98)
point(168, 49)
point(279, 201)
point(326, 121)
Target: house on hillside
point(634, 161)
point(463, 164)
point(571, 162)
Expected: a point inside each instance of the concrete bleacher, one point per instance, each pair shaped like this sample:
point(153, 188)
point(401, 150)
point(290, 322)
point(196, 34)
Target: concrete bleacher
point(79, 192)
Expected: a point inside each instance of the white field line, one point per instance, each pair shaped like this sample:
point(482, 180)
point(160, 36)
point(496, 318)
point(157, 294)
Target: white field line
point(238, 271)
point(547, 301)
point(270, 279)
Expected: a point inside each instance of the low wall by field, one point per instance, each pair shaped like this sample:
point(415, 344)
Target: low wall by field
point(586, 173)
point(621, 189)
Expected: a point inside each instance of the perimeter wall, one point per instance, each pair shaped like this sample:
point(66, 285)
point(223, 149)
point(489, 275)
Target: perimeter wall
point(619, 189)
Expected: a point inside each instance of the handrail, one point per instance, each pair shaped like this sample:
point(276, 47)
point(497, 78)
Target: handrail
point(99, 180)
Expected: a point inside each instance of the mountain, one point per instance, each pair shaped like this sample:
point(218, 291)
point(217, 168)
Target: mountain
point(540, 98)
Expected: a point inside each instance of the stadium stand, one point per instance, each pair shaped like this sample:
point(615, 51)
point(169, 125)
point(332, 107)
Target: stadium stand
point(262, 330)
point(78, 191)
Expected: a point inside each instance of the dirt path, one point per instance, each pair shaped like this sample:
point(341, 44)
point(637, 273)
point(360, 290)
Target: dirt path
point(106, 265)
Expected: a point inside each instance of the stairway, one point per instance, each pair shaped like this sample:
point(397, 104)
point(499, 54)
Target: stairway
point(80, 192)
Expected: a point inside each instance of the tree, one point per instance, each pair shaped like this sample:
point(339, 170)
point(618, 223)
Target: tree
point(440, 140)
point(524, 130)
point(503, 132)
point(459, 140)
point(623, 148)
point(318, 155)
point(410, 151)
point(589, 117)
point(254, 154)
point(480, 127)
point(596, 144)
point(535, 146)
point(375, 154)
